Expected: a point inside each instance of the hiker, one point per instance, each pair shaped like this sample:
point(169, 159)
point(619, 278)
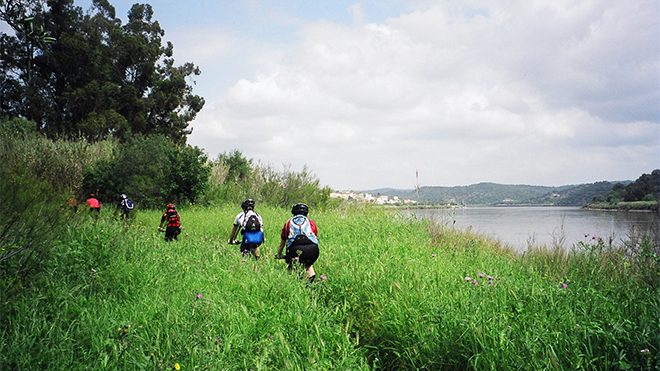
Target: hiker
point(251, 227)
point(94, 204)
point(171, 217)
point(73, 204)
point(300, 236)
point(125, 206)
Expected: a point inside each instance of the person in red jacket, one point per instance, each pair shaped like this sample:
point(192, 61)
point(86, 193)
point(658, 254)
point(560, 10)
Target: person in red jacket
point(94, 205)
point(171, 217)
point(300, 236)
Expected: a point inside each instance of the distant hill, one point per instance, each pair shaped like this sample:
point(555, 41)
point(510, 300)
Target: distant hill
point(493, 194)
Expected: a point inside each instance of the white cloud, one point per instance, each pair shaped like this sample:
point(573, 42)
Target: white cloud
point(513, 92)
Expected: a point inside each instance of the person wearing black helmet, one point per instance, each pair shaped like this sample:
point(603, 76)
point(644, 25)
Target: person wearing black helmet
point(251, 227)
point(173, 223)
point(300, 236)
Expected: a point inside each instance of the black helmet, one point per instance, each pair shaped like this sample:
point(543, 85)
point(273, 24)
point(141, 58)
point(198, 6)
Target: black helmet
point(248, 204)
point(300, 209)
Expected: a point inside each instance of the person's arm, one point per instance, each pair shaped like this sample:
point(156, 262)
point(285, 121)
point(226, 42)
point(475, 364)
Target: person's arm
point(280, 249)
point(232, 235)
point(283, 236)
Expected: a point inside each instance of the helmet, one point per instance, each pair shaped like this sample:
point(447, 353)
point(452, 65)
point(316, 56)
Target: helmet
point(248, 204)
point(170, 207)
point(300, 209)
point(123, 196)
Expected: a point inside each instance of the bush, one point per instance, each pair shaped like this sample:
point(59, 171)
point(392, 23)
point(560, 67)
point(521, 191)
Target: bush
point(151, 170)
point(36, 178)
point(231, 182)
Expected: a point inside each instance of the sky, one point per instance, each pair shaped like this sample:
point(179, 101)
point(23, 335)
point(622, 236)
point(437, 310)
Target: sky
point(398, 93)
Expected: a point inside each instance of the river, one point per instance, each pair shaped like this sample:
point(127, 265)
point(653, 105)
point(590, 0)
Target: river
point(521, 227)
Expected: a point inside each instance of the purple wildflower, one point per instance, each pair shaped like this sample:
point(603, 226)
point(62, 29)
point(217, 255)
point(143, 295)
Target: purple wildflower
point(199, 296)
point(468, 279)
point(474, 282)
point(482, 275)
point(644, 350)
point(433, 255)
point(563, 286)
point(324, 277)
point(490, 277)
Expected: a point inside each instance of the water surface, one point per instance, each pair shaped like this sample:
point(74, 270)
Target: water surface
point(521, 227)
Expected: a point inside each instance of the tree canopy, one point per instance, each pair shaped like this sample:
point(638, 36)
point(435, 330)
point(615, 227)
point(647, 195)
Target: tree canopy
point(86, 74)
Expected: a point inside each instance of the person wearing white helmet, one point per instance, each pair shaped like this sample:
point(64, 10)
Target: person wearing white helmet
point(125, 206)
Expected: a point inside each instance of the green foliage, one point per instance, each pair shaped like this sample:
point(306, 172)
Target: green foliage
point(152, 170)
point(36, 177)
point(395, 297)
point(238, 167)
point(642, 192)
point(86, 74)
point(234, 178)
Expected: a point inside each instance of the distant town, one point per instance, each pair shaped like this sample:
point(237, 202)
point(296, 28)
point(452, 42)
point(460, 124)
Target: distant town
point(368, 197)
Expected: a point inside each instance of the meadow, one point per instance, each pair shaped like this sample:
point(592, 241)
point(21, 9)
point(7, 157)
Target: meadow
point(392, 293)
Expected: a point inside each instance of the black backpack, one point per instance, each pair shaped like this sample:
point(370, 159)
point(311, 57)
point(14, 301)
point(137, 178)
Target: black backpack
point(252, 223)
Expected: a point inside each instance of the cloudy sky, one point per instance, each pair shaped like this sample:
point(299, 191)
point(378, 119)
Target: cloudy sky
point(367, 93)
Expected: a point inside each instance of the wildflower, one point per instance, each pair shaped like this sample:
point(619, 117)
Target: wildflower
point(490, 277)
point(375, 231)
point(491, 282)
point(563, 286)
point(474, 282)
point(176, 366)
point(270, 336)
point(199, 296)
point(217, 340)
point(468, 279)
point(567, 280)
point(433, 255)
point(482, 275)
point(324, 277)
point(576, 325)
point(644, 350)
point(509, 326)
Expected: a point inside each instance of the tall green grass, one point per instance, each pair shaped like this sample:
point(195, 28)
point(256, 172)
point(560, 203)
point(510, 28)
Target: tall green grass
point(391, 294)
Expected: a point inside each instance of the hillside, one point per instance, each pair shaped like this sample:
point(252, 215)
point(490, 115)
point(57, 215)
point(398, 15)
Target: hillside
point(493, 194)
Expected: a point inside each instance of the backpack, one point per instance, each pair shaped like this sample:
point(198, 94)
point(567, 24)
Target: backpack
point(128, 204)
point(251, 224)
point(300, 232)
point(172, 218)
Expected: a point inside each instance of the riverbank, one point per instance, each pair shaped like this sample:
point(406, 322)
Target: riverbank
point(639, 206)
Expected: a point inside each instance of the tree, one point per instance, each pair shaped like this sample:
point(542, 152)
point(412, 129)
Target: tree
point(87, 74)
point(239, 166)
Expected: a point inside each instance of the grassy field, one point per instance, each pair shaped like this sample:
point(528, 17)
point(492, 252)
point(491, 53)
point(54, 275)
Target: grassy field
point(392, 293)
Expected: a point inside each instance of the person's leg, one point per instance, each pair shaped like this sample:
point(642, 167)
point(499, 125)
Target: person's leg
point(309, 255)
